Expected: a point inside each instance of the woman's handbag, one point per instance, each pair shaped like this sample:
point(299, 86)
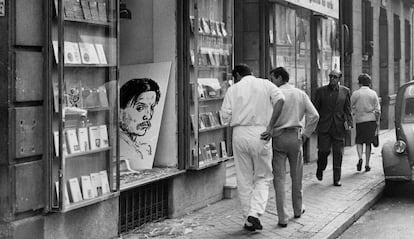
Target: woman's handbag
point(376, 141)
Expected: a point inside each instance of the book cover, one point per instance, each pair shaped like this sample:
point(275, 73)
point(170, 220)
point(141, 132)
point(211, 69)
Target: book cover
point(104, 135)
point(67, 9)
point(83, 139)
point(72, 55)
point(202, 156)
point(200, 26)
point(56, 142)
point(72, 95)
point(214, 121)
point(86, 9)
point(96, 183)
point(102, 12)
point(93, 7)
point(72, 140)
point(77, 9)
point(213, 149)
point(209, 156)
point(212, 27)
point(206, 26)
point(211, 59)
point(88, 53)
point(87, 191)
point(95, 137)
point(223, 29)
point(56, 50)
point(105, 183)
point(103, 96)
point(65, 194)
point(218, 28)
point(74, 189)
point(205, 119)
point(223, 149)
point(101, 54)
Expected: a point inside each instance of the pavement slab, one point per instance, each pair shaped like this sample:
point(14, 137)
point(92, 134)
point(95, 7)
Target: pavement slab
point(330, 210)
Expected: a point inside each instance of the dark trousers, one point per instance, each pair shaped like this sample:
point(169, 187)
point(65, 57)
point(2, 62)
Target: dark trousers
point(326, 141)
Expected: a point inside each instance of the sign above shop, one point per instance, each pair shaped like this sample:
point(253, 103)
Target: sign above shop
point(329, 8)
point(2, 8)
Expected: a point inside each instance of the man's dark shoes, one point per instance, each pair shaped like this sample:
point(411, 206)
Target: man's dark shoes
point(298, 216)
point(255, 222)
point(359, 165)
point(282, 224)
point(367, 168)
point(319, 175)
point(338, 184)
point(249, 228)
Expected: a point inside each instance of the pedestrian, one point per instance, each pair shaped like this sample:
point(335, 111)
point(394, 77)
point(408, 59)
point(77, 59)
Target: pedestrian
point(366, 111)
point(248, 107)
point(288, 137)
point(334, 107)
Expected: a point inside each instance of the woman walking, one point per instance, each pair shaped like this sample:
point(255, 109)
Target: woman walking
point(366, 110)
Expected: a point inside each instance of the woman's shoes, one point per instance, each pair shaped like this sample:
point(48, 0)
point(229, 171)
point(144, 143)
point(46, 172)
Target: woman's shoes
point(367, 168)
point(359, 165)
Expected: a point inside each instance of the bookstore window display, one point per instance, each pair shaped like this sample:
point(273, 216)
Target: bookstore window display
point(210, 71)
point(84, 167)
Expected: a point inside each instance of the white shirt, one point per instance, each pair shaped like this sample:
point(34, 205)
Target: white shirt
point(250, 102)
point(364, 104)
point(297, 106)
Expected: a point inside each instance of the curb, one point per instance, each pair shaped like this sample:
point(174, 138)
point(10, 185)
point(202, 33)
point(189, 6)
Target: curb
point(337, 226)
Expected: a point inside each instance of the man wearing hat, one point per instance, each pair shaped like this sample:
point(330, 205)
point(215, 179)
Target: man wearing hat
point(334, 107)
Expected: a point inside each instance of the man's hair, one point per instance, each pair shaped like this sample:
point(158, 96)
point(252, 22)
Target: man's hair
point(336, 72)
point(364, 79)
point(242, 69)
point(280, 71)
point(133, 88)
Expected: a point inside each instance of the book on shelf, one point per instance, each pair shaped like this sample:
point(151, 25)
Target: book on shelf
point(213, 119)
point(200, 26)
point(101, 53)
point(103, 129)
point(218, 28)
point(193, 122)
point(223, 149)
point(74, 189)
point(201, 124)
point(211, 59)
point(87, 191)
point(72, 140)
point(56, 143)
point(213, 149)
point(211, 87)
point(192, 57)
point(205, 119)
point(83, 139)
point(72, 55)
point(96, 183)
point(202, 156)
point(65, 194)
point(213, 28)
point(93, 6)
point(206, 26)
point(102, 12)
point(223, 29)
point(88, 53)
point(103, 96)
point(86, 9)
point(72, 95)
point(105, 183)
point(77, 9)
point(192, 24)
point(95, 137)
point(207, 149)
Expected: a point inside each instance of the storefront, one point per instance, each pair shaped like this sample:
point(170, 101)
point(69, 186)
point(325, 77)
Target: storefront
point(302, 36)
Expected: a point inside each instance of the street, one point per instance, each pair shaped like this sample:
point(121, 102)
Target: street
point(391, 217)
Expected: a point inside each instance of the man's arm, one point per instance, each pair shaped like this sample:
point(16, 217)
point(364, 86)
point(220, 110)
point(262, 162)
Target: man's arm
point(277, 108)
point(311, 118)
point(225, 110)
point(347, 109)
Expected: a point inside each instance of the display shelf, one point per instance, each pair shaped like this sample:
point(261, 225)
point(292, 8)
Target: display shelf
point(131, 180)
point(213, 128)
point(92, 151)
point(208, 68)
point(87, 202)
point(210, 99)
point(84, 67)
point(204, 165)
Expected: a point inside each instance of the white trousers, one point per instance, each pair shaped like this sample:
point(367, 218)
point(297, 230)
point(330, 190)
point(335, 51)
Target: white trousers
point(253, 161)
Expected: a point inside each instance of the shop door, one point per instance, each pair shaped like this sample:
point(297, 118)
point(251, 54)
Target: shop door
point(383, 55)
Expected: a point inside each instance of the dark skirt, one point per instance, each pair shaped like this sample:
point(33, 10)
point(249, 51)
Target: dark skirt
point(365, 132)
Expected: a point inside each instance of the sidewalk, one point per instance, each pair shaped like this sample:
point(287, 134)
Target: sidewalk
point(329, 209)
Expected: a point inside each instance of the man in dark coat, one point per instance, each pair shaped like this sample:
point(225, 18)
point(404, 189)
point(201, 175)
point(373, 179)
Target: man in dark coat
point(334, 107)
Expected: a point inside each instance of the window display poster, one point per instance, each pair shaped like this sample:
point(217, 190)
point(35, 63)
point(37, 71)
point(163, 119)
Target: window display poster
point(142, 96)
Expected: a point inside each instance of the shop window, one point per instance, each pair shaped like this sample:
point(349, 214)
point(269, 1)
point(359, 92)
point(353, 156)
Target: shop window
point(291, 48)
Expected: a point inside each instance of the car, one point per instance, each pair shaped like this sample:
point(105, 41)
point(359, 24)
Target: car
point(398, 155)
